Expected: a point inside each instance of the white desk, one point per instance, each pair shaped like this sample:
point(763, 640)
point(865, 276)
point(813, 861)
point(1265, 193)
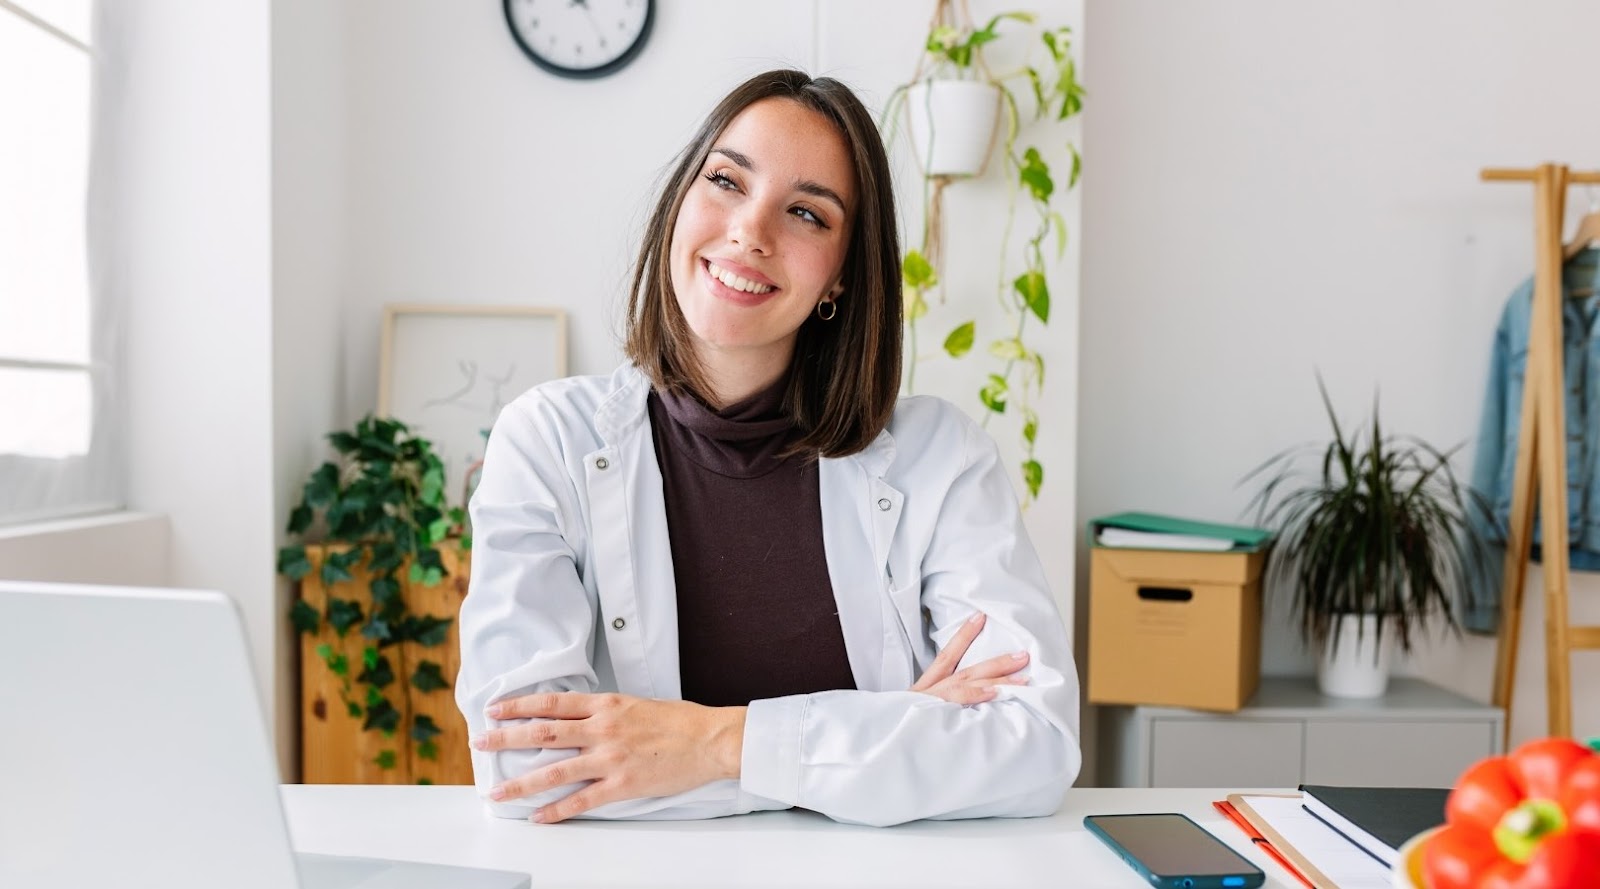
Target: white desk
point(446, 825)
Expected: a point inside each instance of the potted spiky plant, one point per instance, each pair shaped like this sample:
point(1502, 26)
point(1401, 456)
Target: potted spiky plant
point(1374, 540)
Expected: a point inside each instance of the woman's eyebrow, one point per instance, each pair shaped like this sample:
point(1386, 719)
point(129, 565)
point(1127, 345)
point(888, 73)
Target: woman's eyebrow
point(815, 189)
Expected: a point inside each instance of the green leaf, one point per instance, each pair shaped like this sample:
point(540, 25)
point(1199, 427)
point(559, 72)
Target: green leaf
point(304, 618)
point(1033, 474)
point(1077, 165)
point(1009, 349)
point(378, 672)
point(377, 629)
point(424, 729)
point(1038, 367)
point(917, 307)
point(432, 484)
point(1038, 88)
point(338, 664)
point(342, 614)
point(1035, 294)
point(993, 395)
point(959, 342)
point(1034, 173)
point(322, 487)
point(438, 530)
point(430, 751)
point(292, 562)
point(432, 576)
point(384, 590)
point(428, 676)
point(343, 442)
point(1060, 225)
point(431, 631)
point(385, 759)
point(415, 573)
point(1030, 425)
point(426, 781)
point(299, 519)
point(334, 571)
point(917, 272)
point(353, 709)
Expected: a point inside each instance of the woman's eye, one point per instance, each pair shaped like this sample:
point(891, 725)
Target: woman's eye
point(720, 180)
point(808, 216)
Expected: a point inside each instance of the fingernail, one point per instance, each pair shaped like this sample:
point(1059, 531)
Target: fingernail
point(976, 618)
point(498, 793)
point(493, 712)
point(480, 742)
point(1020, 656)
point(538, 817)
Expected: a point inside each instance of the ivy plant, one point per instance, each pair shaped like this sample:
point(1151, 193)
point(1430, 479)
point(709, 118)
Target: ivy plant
point(956, 52)
point(383, 495)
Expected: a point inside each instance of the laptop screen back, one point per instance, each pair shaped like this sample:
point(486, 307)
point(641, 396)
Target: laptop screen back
point(133, 751)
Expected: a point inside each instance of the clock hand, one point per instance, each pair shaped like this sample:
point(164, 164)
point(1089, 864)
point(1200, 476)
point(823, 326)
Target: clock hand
point(589, 14)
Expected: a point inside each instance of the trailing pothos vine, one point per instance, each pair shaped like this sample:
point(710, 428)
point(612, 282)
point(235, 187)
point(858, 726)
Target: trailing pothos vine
point(384, 497)
point(955, 51)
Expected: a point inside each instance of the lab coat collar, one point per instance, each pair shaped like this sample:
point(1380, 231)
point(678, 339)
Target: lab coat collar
point(627, 407)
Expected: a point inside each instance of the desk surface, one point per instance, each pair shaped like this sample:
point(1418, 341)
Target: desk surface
point(447, 825)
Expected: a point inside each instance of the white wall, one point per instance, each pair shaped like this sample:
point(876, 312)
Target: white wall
point(474, 177)
point(1272, 189)
point(309, 239)
point(188, 203)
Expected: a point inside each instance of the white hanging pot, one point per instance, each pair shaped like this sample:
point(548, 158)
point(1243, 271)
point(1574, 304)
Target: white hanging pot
point(952, 125)
point(1354, 662)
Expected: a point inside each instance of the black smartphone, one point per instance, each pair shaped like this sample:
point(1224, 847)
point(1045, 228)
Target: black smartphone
point(1172, 852)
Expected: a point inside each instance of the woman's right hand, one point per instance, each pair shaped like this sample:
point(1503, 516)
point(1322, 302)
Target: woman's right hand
point(976, 683)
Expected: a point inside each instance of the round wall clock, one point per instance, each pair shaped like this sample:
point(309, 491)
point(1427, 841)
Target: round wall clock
point(580, 38)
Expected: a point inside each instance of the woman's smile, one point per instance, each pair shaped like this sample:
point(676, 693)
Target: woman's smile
point(737, 284)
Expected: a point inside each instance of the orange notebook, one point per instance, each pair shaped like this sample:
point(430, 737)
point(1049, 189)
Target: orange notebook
point(1262, 843)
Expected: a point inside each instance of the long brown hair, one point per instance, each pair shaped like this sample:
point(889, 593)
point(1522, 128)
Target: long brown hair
point(845, 374)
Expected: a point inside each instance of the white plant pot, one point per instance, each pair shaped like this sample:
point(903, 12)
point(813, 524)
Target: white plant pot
point(952, 125)
point(1356, 665)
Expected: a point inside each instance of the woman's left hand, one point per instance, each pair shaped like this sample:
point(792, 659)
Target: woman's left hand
point(630, 747)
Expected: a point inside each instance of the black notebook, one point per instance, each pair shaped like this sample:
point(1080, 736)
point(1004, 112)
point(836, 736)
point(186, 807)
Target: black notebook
point(1379, 820)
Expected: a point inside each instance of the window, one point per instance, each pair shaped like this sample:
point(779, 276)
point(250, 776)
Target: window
point(56, 416)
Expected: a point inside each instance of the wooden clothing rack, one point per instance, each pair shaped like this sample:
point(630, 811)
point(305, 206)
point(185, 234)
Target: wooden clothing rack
point(1541, 467)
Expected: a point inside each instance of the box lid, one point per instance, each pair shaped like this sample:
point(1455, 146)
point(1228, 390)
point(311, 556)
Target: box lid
point(1241, 538)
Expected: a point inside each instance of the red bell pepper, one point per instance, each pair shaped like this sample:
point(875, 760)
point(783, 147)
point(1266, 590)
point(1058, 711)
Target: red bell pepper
point(1529, 820)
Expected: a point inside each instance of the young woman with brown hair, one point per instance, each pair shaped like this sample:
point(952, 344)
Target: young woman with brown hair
point(707, 584)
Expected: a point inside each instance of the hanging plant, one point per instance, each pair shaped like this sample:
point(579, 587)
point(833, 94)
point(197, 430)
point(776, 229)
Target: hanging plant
point(953, 53)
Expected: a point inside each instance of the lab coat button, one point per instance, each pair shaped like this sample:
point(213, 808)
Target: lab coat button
point(618, 624)
point(884, 504)
point(602, 463)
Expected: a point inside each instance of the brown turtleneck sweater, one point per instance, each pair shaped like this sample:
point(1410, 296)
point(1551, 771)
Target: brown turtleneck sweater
point(756, 616)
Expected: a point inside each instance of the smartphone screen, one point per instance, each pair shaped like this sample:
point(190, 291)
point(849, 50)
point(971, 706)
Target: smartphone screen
point(1172, 851)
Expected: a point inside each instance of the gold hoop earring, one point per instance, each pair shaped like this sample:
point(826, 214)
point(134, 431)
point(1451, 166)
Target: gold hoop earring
point(833, 309)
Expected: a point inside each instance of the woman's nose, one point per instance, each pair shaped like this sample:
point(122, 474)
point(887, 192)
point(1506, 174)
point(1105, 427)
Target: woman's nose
point(750, 229)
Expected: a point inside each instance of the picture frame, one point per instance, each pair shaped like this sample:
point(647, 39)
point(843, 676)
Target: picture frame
point(447, 370)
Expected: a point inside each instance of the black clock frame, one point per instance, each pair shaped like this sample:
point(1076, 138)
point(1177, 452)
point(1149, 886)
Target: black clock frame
point(610, 67)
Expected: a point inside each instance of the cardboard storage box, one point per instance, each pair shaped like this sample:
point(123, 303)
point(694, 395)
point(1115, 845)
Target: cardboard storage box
point(1175, 628)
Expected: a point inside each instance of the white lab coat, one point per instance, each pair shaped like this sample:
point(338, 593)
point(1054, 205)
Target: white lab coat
point(572, 590)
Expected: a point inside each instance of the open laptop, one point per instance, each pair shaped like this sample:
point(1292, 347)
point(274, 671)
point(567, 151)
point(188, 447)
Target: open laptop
point(133, 753)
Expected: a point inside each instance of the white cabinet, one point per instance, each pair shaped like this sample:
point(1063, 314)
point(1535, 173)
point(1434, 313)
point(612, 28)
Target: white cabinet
point(1417, 735)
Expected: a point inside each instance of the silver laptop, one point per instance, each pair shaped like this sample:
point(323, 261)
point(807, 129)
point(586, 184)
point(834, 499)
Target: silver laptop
point(133, 753)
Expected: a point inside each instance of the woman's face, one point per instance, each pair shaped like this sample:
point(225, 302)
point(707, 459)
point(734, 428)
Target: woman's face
point(762, 233)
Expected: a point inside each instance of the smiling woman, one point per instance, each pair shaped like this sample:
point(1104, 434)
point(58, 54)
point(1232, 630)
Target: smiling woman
point(739, 573)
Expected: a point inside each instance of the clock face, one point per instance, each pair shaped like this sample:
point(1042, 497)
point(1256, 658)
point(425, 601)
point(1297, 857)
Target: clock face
point(580, 38)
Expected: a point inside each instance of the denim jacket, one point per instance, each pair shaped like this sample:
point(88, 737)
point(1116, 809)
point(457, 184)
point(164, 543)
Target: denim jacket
point(1495, 462)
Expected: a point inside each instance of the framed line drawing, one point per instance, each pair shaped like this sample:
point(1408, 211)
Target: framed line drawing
point(446, 370)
